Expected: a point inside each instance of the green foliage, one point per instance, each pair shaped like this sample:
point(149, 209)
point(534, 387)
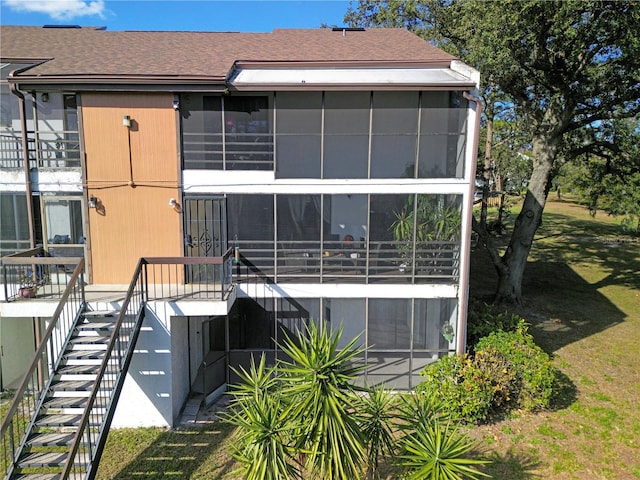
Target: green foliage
point(263, 438)
point(485, 318)
point(464, 392)
point(376, 411)
point(318, 383)
point(435, 450)
point(305, 417)
point(425, 222)
point(610, 183)
point(508, 371)
point(529, 371)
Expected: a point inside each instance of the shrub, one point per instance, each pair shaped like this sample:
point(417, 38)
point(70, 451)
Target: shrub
point(485, 318)
point(529, 369)
point(465, 392)
point(507, 371)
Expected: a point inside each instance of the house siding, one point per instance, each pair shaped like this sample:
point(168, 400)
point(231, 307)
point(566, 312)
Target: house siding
point(133, 217)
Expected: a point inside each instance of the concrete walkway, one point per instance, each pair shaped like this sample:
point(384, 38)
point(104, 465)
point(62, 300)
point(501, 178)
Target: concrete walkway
point(195, 414)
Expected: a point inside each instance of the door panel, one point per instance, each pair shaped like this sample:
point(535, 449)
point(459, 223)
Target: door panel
point(205, 233)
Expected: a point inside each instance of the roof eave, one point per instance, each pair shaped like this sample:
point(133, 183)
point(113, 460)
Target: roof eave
point(120, 82)
point(258, 87)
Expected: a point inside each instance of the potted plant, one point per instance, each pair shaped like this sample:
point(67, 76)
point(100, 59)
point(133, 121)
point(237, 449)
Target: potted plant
point(29, 284)
point(437, 223)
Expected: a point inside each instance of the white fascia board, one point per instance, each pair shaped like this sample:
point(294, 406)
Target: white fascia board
point(346, 290)
point(209, 181)
point(260, 78)
point(466, 71)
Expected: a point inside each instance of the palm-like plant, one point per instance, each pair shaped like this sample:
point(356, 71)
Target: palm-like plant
point(436, 451)
point(376, 423)
point(426, 221)
point(263, 438)
point(318, 383)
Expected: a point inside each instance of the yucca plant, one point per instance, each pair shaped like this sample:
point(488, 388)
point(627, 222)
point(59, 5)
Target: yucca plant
point(376, 412)
point(263, 444)
point(419, 407)
point(436, 451)
point(318, 386)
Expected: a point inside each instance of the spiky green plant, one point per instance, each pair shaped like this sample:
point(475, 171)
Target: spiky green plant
point(418, 407)
point(377, 425)
point(263, 444)
point(318, 383)
point(436, 451)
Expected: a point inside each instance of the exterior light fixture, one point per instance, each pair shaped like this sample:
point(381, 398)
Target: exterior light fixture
point(172, 202)
point(126, 121)
point(176, 104)
point(92, 201)
point(45, 97)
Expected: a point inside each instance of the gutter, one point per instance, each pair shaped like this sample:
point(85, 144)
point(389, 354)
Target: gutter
point(25, 153)
point(466, 251)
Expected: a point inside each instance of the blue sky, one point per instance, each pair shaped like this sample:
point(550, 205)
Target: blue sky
point(199, 15)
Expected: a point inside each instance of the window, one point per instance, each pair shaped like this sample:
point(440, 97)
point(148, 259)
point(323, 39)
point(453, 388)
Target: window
point(299, 134)
point(346, 134)
point(14, 227)
point(226, 133)
point(394, 134)
point(248, 141)
point(63, 225)
point(250, 221)
point(442, 135)
point(57, 138)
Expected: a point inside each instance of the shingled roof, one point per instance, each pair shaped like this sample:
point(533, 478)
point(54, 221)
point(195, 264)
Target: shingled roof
point(80, 54)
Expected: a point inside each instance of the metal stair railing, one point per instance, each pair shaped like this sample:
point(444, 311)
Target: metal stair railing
point(258, 276)
point(85, 452)
point(29, 396)
point(91, 435)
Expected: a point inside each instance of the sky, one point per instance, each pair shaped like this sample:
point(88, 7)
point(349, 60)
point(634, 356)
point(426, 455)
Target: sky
point(190, 15)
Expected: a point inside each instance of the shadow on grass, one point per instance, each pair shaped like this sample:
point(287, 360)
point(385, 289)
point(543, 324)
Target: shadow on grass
point(565, 392)
point(562, 306)
point(181, 453)
point(512, 466)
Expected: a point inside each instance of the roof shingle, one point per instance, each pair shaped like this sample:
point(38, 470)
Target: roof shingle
point(85, 52)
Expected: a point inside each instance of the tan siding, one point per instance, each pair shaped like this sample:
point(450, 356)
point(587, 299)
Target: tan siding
point(132, 219)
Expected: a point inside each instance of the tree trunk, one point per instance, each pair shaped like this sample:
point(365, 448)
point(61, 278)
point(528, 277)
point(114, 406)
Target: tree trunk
point(513, 262)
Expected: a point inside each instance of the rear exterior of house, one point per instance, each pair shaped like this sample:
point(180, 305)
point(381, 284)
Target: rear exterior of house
point(333, 167)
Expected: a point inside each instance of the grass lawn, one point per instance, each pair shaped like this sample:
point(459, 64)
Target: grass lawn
point(582, 298)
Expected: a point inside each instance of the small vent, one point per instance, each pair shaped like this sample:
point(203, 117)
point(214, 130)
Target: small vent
point(348, 29)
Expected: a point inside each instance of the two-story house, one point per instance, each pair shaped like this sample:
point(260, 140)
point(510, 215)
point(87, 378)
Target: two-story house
point(329, 172)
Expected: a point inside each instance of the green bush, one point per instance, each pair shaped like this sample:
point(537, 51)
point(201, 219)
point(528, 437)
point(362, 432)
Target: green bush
point(529, 367)
point(508, 371)
point(485, 318)
point(465, 392)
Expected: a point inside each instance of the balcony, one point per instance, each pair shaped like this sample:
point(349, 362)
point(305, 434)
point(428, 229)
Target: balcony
point(34, 275)
point(52, 149)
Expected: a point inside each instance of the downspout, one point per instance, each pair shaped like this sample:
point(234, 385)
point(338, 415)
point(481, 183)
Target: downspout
point(465, 261)
point(13, 87)
point(25, 152)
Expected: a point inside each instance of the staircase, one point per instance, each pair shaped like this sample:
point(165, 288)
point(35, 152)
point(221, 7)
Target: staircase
point(53, 430)
point(58, 422)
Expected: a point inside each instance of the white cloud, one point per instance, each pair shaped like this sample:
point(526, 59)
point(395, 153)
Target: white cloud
point(59, 9)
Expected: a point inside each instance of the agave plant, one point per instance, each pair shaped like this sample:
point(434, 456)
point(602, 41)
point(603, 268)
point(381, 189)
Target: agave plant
point(318, 384)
